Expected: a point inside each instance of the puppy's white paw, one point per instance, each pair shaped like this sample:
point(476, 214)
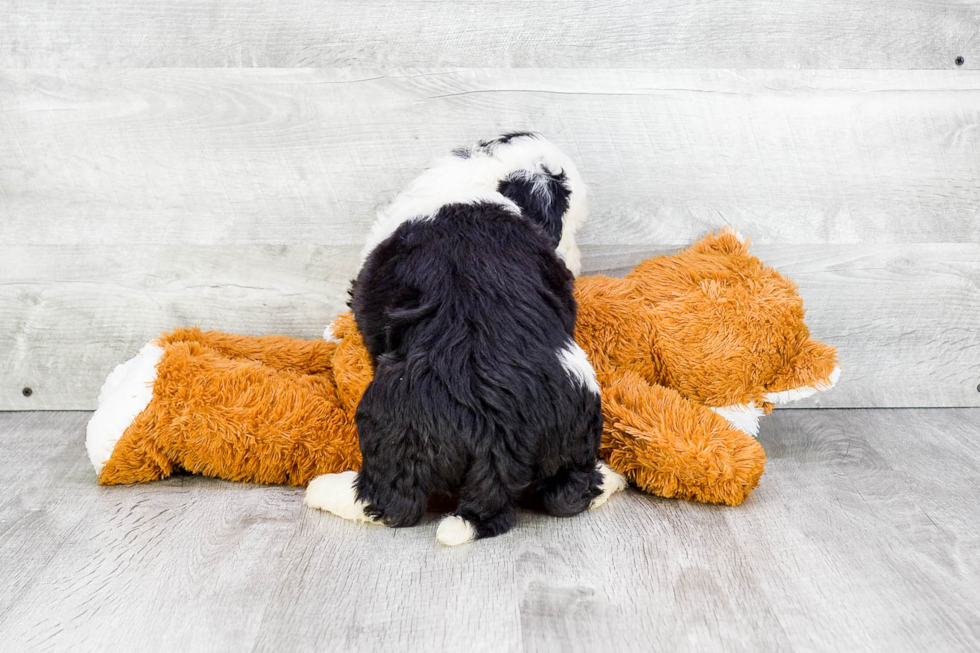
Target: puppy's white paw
point(612, 482)
point(454, 530)
point(335, 493)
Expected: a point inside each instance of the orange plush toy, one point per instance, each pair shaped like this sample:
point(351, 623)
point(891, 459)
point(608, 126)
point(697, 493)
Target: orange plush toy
point(689, 350)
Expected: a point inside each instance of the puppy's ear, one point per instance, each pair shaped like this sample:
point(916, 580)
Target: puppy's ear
point(542, 196)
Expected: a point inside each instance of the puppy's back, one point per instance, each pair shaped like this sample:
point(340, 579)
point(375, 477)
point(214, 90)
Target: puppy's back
point(469, 318)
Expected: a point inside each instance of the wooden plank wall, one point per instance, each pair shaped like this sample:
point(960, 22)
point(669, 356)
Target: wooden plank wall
point(177, 163)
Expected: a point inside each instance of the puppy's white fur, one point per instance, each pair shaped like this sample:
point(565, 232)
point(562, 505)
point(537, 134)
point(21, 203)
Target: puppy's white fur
point(454, 530)
point(475, 178)
point(576, 362)
point(612, 482)
point(335, 493)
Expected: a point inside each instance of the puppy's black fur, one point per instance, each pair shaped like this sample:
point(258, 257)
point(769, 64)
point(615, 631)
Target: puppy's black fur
point(464, 315)
point(542, 196)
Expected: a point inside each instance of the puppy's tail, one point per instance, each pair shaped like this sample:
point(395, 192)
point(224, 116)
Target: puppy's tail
point(456, 529)
point(487, 505)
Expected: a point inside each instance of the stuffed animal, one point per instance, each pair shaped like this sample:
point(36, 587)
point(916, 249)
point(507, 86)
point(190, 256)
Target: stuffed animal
point(690, 350)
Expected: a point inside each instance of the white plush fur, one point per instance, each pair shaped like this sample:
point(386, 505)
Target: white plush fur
point(335, 493)
point(126, 393)
point(454, 530)
point(612, 482)
point(458, 180)
point(803, 392)
point(576, 362)
point(328, 333)
point(744, 417)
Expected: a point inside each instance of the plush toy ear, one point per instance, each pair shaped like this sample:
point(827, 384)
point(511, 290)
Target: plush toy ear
point(352, 367)
point(726, 241)
point(542, 196)
point(814, 369)
point(340, 328)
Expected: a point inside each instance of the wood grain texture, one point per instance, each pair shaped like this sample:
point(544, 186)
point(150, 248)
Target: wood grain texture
point(862, 536)
point(578, 33)
point(69, 314)
point(902, 316)
point(306, 156)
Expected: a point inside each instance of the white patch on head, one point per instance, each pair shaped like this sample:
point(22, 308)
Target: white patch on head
point(474, 178)
point(335, 493)
point(570, 254)
point(126, 393)
point(329, 335)
point(423, 200)
point(612, 482)
point(539, 180)
point(744, 417)
point(454, 530)
point(575, 361)
point(578, 210)
point(450, 180)
point(795, 394)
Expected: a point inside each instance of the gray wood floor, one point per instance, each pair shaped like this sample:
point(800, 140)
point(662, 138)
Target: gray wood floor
point(864, 535)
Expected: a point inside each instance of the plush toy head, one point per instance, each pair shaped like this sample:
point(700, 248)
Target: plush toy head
point(711, 322)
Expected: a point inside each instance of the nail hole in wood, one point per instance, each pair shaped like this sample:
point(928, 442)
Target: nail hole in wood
point(27, 392)
point(960, 61)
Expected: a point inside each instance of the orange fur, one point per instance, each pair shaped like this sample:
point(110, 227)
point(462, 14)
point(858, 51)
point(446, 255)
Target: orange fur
point(708, 326)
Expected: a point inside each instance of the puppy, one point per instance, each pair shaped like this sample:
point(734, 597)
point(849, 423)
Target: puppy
point(464, 300)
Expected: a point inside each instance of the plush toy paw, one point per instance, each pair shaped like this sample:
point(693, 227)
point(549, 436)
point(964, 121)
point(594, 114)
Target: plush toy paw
point(802, 392)
point(612, 482)
point(335, 493)
point(454, 530)
point(745, 417)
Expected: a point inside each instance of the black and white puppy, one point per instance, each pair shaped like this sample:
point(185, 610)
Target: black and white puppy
point(464, 300)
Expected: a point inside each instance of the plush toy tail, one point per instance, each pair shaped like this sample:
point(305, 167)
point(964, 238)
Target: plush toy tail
point(126, 393)
point(255, 409)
